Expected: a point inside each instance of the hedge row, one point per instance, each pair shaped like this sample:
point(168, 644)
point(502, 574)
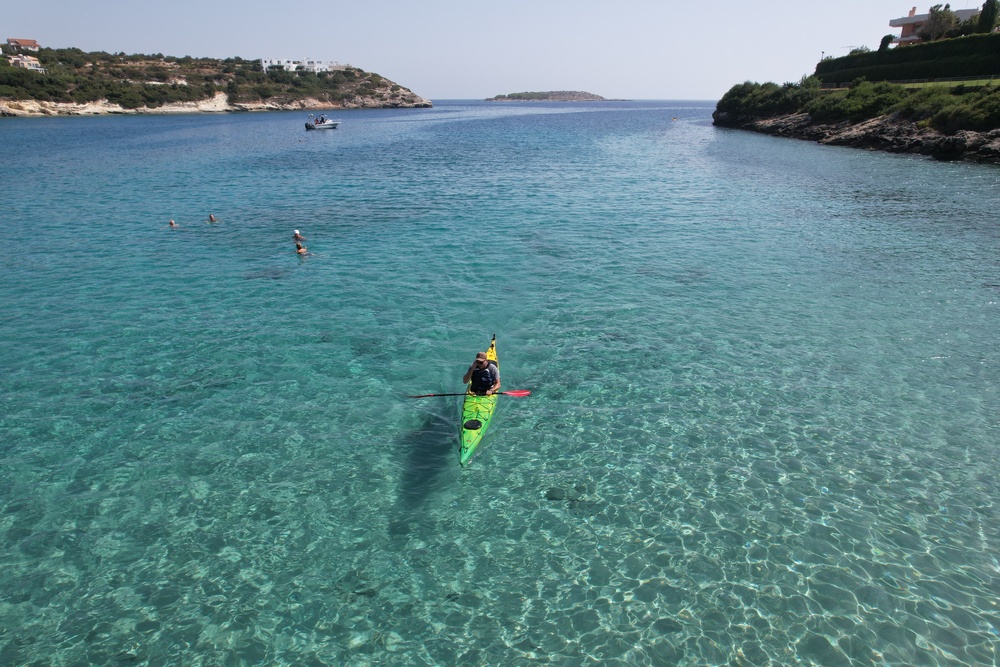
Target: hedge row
point(974, 55)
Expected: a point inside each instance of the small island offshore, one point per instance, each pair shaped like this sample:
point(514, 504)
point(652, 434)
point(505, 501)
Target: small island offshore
point(936, 93)
point(549, 96)
point(38, 81)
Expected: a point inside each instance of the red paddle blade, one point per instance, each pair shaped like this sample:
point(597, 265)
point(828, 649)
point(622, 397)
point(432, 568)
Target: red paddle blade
point(513, 392)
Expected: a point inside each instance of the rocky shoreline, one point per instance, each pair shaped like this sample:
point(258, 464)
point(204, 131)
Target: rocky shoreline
point(217, 104)
point(884, 133)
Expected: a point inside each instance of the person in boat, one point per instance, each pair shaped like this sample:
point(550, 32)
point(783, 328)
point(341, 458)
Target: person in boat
point(484, 376)
point(298, 237)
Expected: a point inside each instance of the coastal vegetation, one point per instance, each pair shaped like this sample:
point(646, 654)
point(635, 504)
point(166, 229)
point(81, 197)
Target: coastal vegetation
point(938, 98)
point(151, 81)
point(950, 82)
point(943, 108)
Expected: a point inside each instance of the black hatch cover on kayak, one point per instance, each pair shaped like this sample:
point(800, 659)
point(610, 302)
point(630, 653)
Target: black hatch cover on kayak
point(472, 425)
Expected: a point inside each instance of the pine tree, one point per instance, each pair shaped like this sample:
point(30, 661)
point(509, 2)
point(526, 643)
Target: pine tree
point(988, 16)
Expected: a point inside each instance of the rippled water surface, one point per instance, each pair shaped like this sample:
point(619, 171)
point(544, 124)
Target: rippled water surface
point(763, 427)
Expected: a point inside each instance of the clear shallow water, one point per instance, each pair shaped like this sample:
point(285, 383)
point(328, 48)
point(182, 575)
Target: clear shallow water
point(763, 429)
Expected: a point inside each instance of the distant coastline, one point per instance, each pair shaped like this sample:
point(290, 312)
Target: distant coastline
point(219, 103)
point(70, 82)
point(548, 96)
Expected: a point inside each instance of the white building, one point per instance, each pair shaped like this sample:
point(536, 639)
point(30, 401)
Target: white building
point(912, 23)
point(26, 62)
point(307, 65)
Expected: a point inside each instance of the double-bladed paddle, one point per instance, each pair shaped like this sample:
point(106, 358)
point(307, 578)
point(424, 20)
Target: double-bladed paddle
point(512, 392)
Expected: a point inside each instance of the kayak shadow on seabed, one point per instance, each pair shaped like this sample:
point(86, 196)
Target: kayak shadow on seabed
point(430, 450)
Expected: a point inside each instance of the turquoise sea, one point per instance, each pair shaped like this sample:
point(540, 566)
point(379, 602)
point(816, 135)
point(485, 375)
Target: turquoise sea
point(764, 426)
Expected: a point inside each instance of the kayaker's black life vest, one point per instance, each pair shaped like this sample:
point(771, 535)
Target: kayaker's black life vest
point(484, 378)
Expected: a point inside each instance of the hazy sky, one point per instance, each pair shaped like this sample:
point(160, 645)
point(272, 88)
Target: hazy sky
point(468, 49)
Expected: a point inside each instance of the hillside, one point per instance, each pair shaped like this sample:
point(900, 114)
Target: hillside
point(948, 123)
point(938, 98)
point(549, 96)
point(76, 82)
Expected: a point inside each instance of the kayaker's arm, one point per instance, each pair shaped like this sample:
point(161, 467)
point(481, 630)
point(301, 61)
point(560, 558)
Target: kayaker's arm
point(467, 378)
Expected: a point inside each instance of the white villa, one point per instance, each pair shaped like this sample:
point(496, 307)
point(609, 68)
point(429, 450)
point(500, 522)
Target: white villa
point(307, 65)
point(26, 62)
point(913, 22)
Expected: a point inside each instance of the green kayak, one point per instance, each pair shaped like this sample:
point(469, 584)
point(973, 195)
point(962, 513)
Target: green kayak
point(477, 411)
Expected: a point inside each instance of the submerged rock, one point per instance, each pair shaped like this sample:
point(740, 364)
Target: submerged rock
point(556, 494)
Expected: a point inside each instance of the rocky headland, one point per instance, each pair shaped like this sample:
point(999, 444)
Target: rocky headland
point(891, 133)
point(72, 82)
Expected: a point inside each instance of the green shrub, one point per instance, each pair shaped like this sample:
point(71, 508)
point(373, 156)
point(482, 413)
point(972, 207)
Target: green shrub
point(977, 112)
point(863, 100)
point(127, 97)
point(763, 100)
point(925, 103)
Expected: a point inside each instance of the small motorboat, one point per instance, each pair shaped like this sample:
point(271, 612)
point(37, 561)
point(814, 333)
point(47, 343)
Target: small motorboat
point(321, 123)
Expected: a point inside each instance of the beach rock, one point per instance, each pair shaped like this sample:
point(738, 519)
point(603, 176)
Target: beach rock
point(989, 150)
point(949, 148)
point(890, 133)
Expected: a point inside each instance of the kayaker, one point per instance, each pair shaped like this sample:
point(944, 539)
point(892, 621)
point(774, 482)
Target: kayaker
point(484, 376)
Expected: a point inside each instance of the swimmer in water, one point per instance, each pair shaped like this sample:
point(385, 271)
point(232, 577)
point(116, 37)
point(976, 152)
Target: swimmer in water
point(212, 218)
point(298, 237)
point(301, 249)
